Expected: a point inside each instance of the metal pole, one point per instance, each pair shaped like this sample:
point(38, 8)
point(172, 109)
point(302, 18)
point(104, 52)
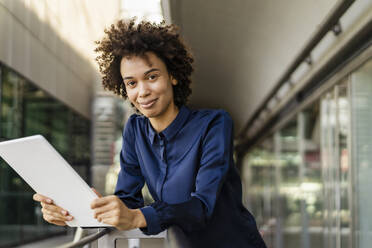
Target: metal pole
point(134, 243)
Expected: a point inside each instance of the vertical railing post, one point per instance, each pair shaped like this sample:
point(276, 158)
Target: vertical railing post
point(134, 243)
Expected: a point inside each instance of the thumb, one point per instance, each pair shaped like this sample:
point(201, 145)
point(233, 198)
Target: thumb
point(95, 191)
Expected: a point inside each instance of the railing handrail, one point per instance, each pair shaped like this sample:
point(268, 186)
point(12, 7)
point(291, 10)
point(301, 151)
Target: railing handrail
point(88, 239)
point(174, 237)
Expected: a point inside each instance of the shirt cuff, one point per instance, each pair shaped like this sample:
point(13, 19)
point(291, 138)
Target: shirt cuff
point(152, 221)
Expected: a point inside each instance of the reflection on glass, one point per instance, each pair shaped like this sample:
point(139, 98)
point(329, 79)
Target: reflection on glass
point(361, 103)
point(258, 174)
point(298, 183)
point(26, 110)
point(311, 178)
point(12, 105)
point(329, 160)
point(289, 185)
point(343, 120)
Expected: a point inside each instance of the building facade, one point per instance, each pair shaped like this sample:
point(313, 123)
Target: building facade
point(48, 80)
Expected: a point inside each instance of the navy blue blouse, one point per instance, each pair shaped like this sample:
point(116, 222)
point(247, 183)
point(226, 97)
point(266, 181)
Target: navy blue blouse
point(190, 173)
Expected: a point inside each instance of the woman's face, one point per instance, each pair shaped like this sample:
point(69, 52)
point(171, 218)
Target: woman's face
point(148, 84)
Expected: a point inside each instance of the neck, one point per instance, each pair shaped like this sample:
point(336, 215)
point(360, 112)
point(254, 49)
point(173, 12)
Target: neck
point(160, 123)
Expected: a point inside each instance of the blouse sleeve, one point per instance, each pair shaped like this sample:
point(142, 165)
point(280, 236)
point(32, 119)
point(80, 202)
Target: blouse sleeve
point(130, 179)
point(216, 156)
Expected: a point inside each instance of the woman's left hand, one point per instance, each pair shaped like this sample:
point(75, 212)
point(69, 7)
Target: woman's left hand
point(111, 210)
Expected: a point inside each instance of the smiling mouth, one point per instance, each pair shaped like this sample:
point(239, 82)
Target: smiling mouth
point(148, 104)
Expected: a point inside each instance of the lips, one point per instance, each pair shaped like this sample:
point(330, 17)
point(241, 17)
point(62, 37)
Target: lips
point(147, 104)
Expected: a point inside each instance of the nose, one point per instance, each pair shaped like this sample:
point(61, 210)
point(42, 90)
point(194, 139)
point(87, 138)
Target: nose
point(144, 89)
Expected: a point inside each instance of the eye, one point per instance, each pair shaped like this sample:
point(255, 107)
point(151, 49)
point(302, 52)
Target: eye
point(152, 77)
point(131, 83)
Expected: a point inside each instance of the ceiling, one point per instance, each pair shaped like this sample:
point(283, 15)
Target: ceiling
point(241, 47)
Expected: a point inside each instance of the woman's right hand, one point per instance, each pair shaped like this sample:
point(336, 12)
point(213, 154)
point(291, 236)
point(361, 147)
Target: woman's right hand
point(51, 212)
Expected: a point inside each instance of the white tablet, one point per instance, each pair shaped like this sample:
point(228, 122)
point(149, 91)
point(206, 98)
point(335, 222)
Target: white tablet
point(45, 170)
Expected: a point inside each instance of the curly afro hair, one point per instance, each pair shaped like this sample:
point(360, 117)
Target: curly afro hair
point(126, 39)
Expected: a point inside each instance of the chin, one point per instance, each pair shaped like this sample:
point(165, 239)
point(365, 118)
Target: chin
point(149, 113)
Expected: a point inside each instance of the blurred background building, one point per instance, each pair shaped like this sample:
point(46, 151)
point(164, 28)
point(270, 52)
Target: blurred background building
point(50, 85)
point(295, 75)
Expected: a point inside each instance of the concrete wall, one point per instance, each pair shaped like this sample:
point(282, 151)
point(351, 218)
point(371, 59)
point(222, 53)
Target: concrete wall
point(51, 44)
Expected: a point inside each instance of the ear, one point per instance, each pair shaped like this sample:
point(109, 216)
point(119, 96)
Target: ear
point(173, 80)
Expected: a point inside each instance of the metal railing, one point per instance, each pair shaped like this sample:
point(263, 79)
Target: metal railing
point(133, 236)
point(108, 237)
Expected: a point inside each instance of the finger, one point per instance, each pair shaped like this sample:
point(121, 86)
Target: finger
point(55, 209)
point(42, 198)
point(97, 193)
point(111, 221)
point(103, 209)
point(99, 202)
point(108, 214)
point(56, 215)
point(52, 219)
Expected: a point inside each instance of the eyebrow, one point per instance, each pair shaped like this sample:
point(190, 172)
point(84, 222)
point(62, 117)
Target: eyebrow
point(147, 72)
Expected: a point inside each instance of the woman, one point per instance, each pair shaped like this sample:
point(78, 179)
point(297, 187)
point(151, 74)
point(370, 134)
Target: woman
point(185, 156)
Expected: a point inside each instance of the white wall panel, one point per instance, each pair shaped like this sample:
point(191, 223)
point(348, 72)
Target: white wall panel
point(18, 46)
point(5, 19)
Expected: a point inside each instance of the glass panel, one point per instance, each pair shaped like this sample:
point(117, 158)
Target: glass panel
point(290, 185)
point(258, 174)
point(12, 105)
point(343, 115)
point(27, 110)
point(11, 186)
point(361, 102)
point(312, 183)
point(44, 115)
point(335, 136)
point(79, 131)
point(328, 138)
